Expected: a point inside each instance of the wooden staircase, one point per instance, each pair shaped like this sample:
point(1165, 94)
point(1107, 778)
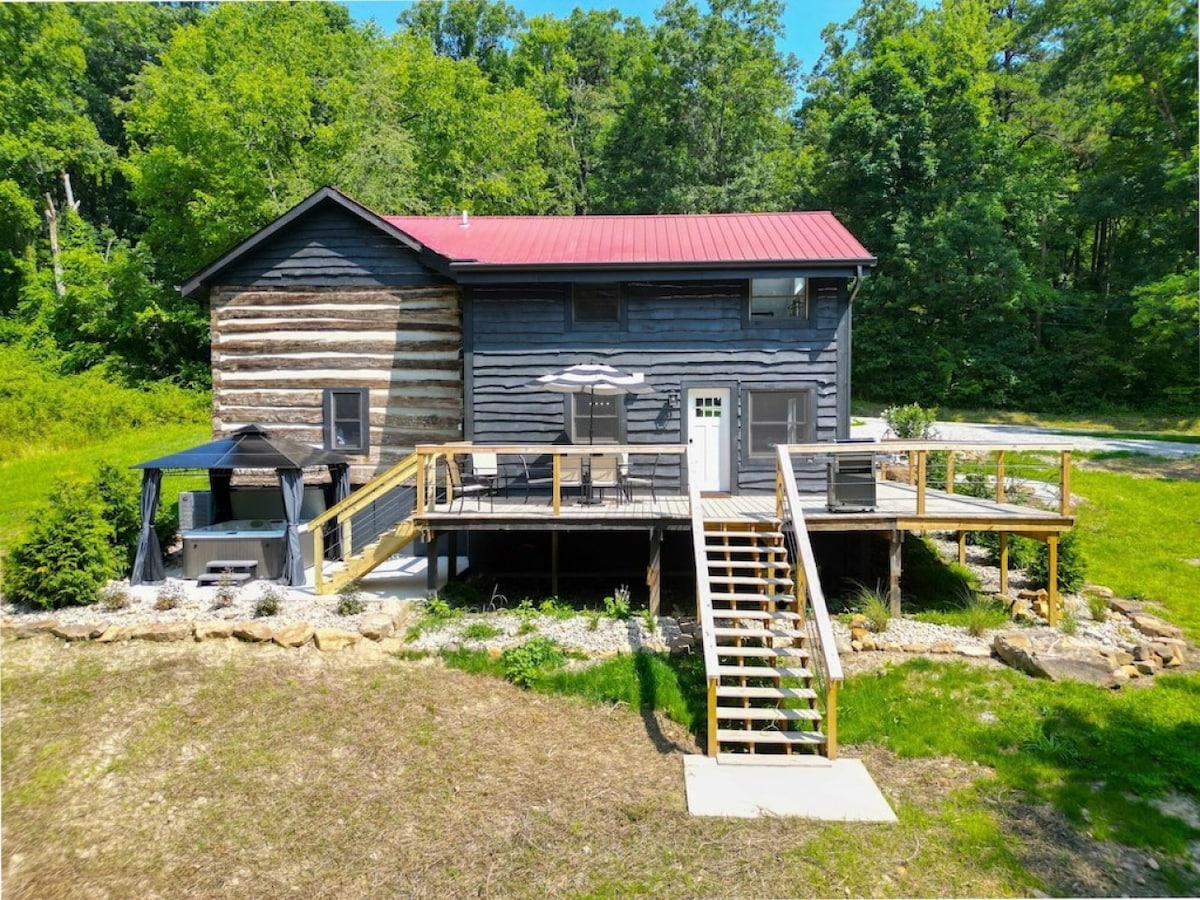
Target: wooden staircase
point(765, 702)
point(390, 499)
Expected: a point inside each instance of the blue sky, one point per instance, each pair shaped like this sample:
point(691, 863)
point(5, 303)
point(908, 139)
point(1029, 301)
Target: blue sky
point(802, 19)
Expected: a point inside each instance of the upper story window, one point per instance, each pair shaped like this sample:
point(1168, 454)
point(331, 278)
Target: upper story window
point(776, 300)
point(347, 419)
point(595, 304)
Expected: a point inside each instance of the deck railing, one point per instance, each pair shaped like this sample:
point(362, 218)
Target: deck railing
point(704, 606)
point(547, 459)
point(810, 599)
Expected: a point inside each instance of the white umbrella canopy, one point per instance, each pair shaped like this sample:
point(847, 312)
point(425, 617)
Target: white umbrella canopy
point(595, 379)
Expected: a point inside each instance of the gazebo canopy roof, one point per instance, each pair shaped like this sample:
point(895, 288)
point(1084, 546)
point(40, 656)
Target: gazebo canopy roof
point(247, 448)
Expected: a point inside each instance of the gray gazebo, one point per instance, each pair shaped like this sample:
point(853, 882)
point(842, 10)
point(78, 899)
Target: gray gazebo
point(247, 448)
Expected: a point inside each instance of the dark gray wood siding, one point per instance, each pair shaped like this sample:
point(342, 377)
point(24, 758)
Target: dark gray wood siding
point(330, 247)
point(692, 333)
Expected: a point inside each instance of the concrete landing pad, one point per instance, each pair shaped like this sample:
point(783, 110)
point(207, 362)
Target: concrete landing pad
point(837, 791)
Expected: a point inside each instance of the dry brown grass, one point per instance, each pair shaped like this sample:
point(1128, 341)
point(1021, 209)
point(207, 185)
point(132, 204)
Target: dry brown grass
point(222, 769)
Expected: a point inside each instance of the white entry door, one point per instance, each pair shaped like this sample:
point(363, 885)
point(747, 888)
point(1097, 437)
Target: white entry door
point(709, 414)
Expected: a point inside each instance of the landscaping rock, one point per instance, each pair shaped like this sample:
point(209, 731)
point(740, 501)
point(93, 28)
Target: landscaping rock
point(293, 636)
point(1147, 667)
point(1170, 651)
point(335, 638)
point(1054, 658)
point(114, 633)
point(252, 632)
point(941, 647)
point(1099, 590)
point(973, 650)
point(1116, 658)
point(1153, 626)
point(396, 610)
point(29, 629)
point(76, 632)
point(205, 631)
point(161, 631)
point(376, 627)
point(915, 648)
point(1124, 607)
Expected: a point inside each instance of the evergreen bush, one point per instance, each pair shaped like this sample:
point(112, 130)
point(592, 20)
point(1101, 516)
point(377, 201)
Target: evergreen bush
point(67, 556)
point(911, 421)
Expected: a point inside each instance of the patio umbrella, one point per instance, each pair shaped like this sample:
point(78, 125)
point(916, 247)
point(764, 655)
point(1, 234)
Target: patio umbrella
point(594, 379)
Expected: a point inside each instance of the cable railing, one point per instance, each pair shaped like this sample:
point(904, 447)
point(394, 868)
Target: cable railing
point(810, 599)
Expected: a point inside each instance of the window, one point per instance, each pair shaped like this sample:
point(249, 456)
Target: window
point(775, 299)
point(347, 419)
point(595, 420)
point(778, 417)
point(595, 304)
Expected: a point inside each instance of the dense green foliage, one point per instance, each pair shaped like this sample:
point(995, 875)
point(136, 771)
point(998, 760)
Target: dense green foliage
point(1025, 171)
point(68, 554)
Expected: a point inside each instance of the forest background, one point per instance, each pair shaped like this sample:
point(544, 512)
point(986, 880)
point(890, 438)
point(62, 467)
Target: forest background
point(1025, 170)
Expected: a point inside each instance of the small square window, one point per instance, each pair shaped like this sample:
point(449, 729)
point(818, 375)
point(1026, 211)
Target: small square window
point(347, 419)
point(596, 304)
point(776, 299)
point(778, 417)
point(595, 420)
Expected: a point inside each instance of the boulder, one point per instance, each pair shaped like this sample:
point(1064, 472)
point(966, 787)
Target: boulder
point(1147, 667)
point(114, 633)
point(1099, 590)
point(396, 610)
point(1153, 626)
point(205, 631)
point(973, 650)
point(252, 632)
point(915, 648)
point(1053, 658)
point(29, 629)
point(1019, 609)
point(1116, 658)
point(942, 647)
point(1170, 651)
point(295, 635)
point(161, 631)
point(858, 627)
point(376, 627)
point(77, 632)
point(1124, 607)
point(335, 638)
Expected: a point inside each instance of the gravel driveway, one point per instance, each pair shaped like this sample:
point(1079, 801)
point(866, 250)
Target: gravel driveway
point(988, 434)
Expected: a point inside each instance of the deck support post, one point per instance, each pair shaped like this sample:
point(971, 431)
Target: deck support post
point(1004, 563)
point(897, 541)
point(1052, 588)
point(554, 560)
point(431, 562)
point(452, 556)
point(654, 570)
point(962, 548)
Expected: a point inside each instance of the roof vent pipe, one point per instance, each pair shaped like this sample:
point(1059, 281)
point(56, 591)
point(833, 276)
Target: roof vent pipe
point(464, 223)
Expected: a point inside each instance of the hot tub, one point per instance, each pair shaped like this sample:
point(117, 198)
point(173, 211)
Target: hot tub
point(257, 539)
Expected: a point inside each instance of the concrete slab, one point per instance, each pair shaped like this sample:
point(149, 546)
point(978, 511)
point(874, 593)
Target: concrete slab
point(840, 791)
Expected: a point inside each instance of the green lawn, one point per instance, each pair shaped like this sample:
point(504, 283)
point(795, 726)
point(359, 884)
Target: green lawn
point(1141, 537)
point(32, 479)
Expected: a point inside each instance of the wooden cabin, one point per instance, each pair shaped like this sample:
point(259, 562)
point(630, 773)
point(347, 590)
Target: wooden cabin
point(369, 334)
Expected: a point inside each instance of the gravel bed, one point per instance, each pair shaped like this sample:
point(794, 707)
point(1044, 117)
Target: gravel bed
point(577, 633)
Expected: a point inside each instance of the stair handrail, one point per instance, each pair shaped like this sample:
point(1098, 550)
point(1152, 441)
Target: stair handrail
point(367, 494)
point(815, 610)
point(708, 638)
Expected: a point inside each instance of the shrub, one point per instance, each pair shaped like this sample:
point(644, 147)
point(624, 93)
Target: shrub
point(119, 492)
point(170, 596)
point(873, 605)
point(115, 595)
point(67, 555)
point(227, 591)
point(522, 664)
point(350, 601)
point(911, 421)
point(268, 602)
point(1072, 571)
point(981, 613)
point(480, 631)
point(1098, 607)
point(617, 606)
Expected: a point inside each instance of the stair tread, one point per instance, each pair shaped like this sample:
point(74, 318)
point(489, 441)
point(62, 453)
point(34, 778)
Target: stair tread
point(763, 615)
point(751, 580)
point(761, 633)
point(770, 736)
point(785, 653)
point(218, 577)
point(748, 563)
point(768, 714)
point(763, 672)
point(765, 693)
point(217, 565)
point(725, 532)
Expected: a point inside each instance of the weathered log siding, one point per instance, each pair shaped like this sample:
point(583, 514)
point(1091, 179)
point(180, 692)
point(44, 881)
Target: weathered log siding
point(680, 334)
point(274, 351)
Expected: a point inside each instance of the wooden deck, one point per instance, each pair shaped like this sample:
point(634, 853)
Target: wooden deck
point(896, 510)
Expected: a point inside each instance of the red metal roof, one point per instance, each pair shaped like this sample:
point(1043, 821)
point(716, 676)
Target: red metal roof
point(686, 240)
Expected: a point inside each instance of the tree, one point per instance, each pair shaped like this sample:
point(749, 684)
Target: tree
point(705, 128)
point(479, 30)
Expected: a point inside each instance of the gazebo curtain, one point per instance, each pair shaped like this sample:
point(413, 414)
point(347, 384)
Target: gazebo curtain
point(148, 562)
point(291, 483)
point(219, 481)
point(339, 474)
